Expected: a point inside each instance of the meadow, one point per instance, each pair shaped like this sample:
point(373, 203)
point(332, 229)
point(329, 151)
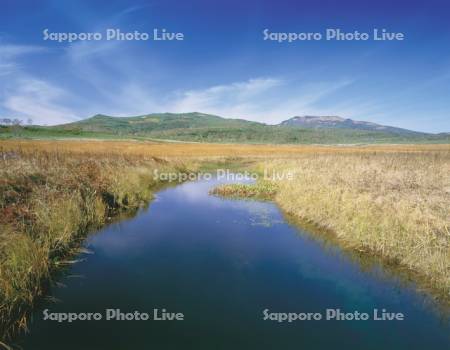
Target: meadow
point(391, 201)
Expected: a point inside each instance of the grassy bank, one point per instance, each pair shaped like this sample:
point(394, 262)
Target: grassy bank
point(393, 205)
point(49, 200)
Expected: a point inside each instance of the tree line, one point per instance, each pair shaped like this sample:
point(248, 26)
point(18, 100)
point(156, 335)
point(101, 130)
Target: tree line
point(15, 121)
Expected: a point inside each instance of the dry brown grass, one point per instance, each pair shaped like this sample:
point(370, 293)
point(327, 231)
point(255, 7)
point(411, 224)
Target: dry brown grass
point(394, 205)
point(136, 148)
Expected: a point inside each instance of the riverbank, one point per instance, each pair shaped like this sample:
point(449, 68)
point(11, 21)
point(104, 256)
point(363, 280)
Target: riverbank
point(392, 205)
point(49, 201)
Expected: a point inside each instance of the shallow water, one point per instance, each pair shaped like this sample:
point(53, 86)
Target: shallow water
point(221, 263)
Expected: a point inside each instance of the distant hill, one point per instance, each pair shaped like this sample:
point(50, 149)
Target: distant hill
point(342, 123)
point(156, 122)
point(200, 127)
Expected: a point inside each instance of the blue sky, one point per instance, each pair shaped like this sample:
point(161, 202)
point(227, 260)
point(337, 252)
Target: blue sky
point(223, 66)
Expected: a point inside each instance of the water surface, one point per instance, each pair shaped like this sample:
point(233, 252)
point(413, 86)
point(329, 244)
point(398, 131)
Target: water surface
point(221, 263)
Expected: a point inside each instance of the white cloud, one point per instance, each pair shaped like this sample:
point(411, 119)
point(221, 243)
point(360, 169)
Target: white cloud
point(220, 97)
point(263, 99)
point(9, 55)
point(23, 96)
point(39, 100)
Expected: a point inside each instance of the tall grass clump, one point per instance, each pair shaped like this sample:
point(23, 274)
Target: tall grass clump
point(262, 190)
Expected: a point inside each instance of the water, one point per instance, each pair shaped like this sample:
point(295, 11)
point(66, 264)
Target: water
point(221, 263)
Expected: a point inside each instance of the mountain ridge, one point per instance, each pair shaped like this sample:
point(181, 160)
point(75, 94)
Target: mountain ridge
point(339, 122)
point(306, 121)
point(202, 127)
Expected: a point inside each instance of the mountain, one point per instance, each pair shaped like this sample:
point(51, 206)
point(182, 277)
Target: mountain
point(201, 127)
point(342, 123)
point(156, 122)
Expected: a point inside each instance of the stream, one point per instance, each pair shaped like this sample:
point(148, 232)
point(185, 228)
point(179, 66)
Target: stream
point(236, 275)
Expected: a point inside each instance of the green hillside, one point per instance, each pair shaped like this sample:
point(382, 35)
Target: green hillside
point(201, 127)
point(155, 123)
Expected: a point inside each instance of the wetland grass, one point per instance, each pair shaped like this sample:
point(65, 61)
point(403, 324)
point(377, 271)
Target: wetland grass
point(395, 205)
point(389, 200)
point(49, 200)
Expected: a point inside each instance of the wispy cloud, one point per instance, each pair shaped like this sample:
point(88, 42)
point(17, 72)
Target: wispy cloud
point(83, 50)
point(9, 55)
point(38, 100)
point(24, 96)
point(262, 99)
point(10, 51)
point(132, 9)
point(7, 68)
point(220, 97)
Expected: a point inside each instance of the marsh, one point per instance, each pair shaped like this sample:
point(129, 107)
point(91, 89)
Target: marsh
point(221, 262)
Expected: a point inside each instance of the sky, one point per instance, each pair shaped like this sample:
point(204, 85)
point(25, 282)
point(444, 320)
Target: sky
point(223, 65)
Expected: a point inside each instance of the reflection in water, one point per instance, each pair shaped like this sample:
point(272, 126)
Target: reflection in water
point(221, 263)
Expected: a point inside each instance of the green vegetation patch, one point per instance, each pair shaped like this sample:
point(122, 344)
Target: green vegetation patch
point(262, 190)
